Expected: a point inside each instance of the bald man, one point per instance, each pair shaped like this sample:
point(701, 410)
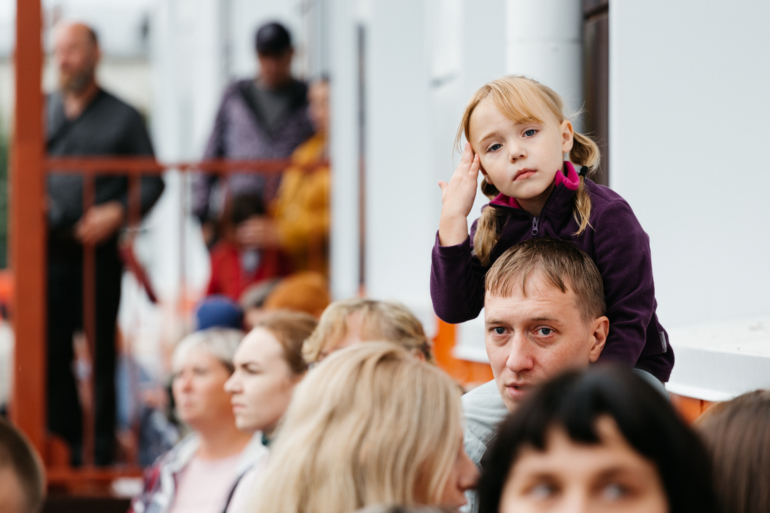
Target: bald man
point(85, 120)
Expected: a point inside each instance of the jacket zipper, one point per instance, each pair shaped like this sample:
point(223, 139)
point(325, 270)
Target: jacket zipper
point(535, 222)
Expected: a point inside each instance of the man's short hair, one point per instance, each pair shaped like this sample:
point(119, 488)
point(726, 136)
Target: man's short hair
point(272, 39)
point(561, 263)
point(17, 454)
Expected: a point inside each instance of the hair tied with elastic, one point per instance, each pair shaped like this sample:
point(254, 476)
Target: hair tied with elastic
point(583, 171)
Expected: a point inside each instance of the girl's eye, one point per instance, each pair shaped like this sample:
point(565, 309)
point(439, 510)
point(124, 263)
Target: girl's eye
point(614, 492)
point(530, 132)
point(495, 147)
point(544, 331)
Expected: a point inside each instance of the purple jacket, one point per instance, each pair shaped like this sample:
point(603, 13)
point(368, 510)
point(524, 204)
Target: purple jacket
point(240, 134)
point(616, 243)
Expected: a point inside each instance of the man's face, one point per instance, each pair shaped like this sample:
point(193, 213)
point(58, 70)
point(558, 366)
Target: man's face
point(534, 336)
point(76, 57)
point(275, 70)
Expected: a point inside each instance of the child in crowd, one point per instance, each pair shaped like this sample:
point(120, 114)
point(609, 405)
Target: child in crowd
point(601, 439)
point(236, 265)
point(517, 136)
point(737, 434)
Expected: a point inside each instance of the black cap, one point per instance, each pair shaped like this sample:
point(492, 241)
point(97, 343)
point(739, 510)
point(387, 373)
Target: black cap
point(272, 39)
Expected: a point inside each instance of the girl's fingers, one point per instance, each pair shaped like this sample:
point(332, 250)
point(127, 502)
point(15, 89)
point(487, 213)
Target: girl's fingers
point(475, 165)
point(442, 185)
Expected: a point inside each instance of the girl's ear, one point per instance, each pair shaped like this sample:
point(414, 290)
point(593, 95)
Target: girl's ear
point(567, 136)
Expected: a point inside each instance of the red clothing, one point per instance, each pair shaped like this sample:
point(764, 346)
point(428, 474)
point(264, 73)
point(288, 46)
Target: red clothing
point(228, 277)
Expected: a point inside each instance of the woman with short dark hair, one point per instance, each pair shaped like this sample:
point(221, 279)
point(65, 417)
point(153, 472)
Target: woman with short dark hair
point(596, 440)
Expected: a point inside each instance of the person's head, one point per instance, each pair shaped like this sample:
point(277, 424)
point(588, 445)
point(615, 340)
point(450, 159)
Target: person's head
point(519, 129)
point(245, 206)
point(372, 425)
point(268, 366)
point(202, 362)
point(318, 104)
point(274, 53)
point(737, 434)
point(544, 312)
point(306, 291)
point(218, 312)
point(253, 299)
point(76, 51)
point(22, 480)
point(596, 440)
point(351, 321)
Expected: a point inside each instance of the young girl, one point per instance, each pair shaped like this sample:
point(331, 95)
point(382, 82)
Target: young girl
point(517, 136)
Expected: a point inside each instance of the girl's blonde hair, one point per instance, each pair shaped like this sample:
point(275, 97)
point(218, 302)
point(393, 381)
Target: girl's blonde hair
point(523, 99)
point(380, 320)
point(371, 425)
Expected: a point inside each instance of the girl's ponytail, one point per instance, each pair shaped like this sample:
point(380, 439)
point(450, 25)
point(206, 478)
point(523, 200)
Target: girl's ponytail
point(489, 227)
point(584, 153)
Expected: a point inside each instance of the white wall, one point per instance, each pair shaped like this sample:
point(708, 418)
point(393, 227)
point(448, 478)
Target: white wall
point(689, 134)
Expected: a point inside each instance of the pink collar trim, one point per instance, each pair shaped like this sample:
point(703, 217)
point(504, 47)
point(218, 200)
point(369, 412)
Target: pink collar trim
point(571, 181)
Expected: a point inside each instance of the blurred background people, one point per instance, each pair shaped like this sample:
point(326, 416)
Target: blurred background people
point(350, 321)
point(22, 479)
point(198, 473)
point(301, 210)
point(239, 261)
point(85, 120)
point(268, 367)
point(218, 312)
point(737, 435)
point(601, 439)
point(261, 118)
point(372, 425)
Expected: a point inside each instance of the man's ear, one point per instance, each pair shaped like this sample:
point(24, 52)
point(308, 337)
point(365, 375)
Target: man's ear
point(601, 328)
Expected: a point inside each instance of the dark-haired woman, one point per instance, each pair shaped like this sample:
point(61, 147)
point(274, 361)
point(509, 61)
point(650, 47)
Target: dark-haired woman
point(594, 441)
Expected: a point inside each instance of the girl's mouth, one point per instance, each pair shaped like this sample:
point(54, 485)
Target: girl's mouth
point(523, 174)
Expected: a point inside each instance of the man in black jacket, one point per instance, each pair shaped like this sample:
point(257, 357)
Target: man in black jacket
point(84, 120)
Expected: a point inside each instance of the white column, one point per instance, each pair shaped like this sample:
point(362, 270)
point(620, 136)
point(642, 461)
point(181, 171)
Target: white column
point(402, 200)
point(343, 69)
point(544, 42)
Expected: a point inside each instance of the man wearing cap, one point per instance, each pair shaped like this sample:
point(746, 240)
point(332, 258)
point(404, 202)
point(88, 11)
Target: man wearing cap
point(261, 118)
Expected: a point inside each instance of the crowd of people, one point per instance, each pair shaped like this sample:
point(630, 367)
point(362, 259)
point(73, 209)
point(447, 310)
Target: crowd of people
point(296, 404)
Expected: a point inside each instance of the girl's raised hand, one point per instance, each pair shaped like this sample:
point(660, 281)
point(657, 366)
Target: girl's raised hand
point(457, 198)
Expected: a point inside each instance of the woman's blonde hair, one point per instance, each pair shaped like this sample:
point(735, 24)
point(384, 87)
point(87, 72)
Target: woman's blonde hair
point(523, 99)
point(371, 425)
point(380, 320)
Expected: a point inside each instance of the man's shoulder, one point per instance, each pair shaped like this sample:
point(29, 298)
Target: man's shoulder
point(113, 102)
point(484, 410)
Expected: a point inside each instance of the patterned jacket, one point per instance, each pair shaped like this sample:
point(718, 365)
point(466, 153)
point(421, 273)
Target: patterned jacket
point(240, 134)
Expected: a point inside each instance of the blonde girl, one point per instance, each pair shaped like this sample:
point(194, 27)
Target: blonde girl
point(372, 425)
point(518, 136)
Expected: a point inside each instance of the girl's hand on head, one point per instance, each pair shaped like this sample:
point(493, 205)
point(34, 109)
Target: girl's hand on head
point(457, 198)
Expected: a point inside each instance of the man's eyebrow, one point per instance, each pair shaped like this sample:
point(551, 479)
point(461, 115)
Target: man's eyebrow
point(495, 321)
point(544, 318)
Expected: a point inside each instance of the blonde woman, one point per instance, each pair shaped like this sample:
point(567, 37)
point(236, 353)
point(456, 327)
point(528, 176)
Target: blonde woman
point(351, 321)
point(372, 425)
